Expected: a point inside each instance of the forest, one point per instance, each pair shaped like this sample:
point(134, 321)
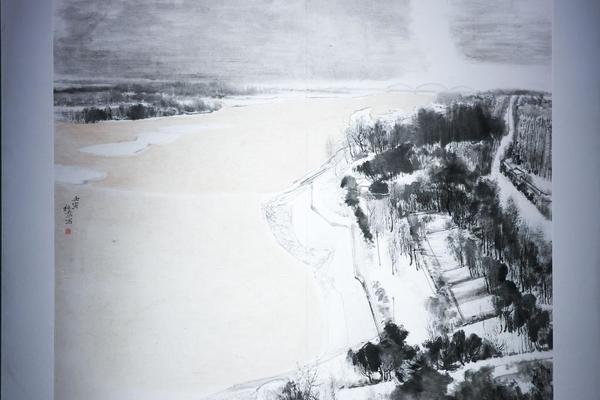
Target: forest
point(452, 149)
point(451, 186)
point(532, 147)
point(459, 123)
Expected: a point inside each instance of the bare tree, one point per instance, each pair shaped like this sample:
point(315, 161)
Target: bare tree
point(394, 251)
point(357, 137)
point(456, 243)
point(303, 387)
point(378, 137)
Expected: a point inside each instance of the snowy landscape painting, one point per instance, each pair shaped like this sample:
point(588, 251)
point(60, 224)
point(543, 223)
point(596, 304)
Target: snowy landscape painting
point(302, 200)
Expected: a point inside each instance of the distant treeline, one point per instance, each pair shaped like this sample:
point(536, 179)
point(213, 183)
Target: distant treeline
point(76, 94)
point(90, 103)
point(164, 108)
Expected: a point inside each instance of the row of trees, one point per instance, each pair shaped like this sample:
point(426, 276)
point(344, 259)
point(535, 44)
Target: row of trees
point(532, 145)
point(460, 122)
point(390, 163)
point(143, 92)
point(392, 357)
point(428, 384)
point(352, 200)
point(422, 374)
point(387, 359)
point(163, 108)
point(445, 353)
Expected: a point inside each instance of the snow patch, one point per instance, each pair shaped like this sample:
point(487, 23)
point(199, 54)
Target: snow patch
point(76, 175)
point(144, 141)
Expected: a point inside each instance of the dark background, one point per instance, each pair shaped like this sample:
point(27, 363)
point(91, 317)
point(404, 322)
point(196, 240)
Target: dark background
point(28, 207)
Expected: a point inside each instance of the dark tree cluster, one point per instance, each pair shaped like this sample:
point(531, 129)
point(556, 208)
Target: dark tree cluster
point(521, 313)
point(379, 189)
point(473, 203)
point(352, 200)
point(461, 122)
point(446, 353)
point(392, 357)
point(532, 145)
point(162, 108)
point(390, 163)
point(387, 359)
point(422, 374)
point(93, 114)
point(92, 103)
point(480, 384)
point(426, 383)
point(147, 92)
point(444, 190)
point(516, 264)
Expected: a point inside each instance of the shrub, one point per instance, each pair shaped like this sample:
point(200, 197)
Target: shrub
point(137, 111)
point(424, 383)
point(379, 188)
point(480, 385)
point(93, 114)
point(349, 183)
point(367, 359)
point(390, 163)
point(363, 223)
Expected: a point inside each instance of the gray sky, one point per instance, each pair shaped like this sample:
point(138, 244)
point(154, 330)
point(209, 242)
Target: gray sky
point(292, 40)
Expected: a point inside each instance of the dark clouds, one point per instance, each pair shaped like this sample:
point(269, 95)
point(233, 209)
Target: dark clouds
point(257, 39)
point(260, 39)
point(509, 32)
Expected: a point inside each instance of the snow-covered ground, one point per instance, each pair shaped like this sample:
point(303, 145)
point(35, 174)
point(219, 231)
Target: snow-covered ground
point(313, 223)
point(493, 330)
point(379, 391)
point(358, 287)
point(143, 141)
point(475, 305)
point(468, 294)
point(402, 294)
point(542, 183)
